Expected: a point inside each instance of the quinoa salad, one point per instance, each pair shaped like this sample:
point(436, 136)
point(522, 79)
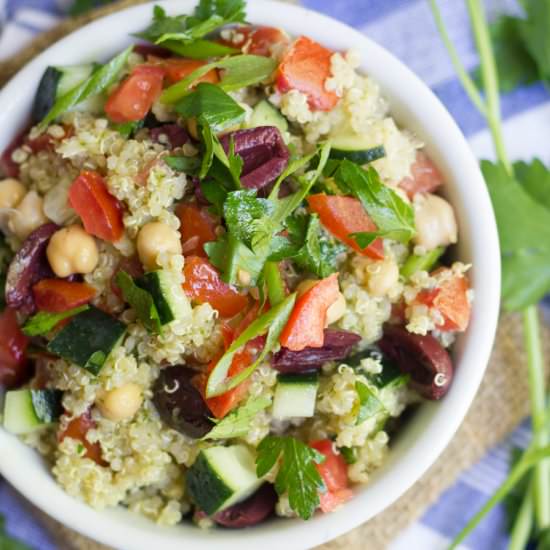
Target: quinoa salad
point(228, 272)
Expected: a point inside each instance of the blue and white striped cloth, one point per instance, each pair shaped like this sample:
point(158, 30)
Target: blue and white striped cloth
point(406, 28)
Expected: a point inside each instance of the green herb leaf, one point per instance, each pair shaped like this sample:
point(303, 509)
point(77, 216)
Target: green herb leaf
point(237, 422)
point(163, 24)
point(141, 301)
point(211, 103)
point(535, 179)
point(242, 209)
point(96, 83)
point(424, 262)
point(515, 65)
point(43, 322)
point(349, 454)
point(238, 72)
point(391, 214)
point(231, 10)
point(187, 165)
point(192, 33)
point(525, 244)
point(297, 474)
point(369, 404)
point(276, 288)
point(126, 129)
point(215, 194)
point(534, 31)
point(199, 49)
point(271, 322)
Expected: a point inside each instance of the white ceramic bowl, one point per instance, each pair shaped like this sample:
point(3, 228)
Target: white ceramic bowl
point(423, 439)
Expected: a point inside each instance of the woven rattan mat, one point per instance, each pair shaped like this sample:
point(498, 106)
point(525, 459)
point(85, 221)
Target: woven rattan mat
point(504, 389)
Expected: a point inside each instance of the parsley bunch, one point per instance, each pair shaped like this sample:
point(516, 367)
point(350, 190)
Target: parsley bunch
point(521, 201)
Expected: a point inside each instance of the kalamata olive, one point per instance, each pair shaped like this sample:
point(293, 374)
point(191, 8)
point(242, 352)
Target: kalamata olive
point(175, 135)
point(423, 357)
point(179, 402)
point(337, 345)
point(251, 511)
point(149, 49)
point(29, 266)
point(264, 154)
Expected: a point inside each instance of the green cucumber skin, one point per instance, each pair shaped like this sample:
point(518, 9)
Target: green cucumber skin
point(47, 404)
point(88, 339)
point(426, 262)
point(359, 157)
point(45, 94)
point(151, 283)
point(206, 487)
point(309, 378)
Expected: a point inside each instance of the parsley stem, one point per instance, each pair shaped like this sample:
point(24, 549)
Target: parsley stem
point(466, 80)
point(523, 525)
point(535, 365)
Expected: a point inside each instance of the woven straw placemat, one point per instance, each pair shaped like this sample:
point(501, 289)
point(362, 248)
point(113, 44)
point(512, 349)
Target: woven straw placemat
point(503, 391)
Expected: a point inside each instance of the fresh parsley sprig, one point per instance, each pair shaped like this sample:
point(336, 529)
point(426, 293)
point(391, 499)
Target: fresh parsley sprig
point(297, 473)
point(43, 321)
point(521, 255)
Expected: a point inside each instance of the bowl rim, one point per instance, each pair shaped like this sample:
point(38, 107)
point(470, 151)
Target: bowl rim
point(431, 433)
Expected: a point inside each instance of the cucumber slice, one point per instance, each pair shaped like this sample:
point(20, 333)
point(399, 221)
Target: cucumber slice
point(426, 262)
point(88, 339)
point(168, 295)
point(56, 82)
point(222, 476)
point(295, 395)
point(265, 114)
point(363, 156)
point(28, 410)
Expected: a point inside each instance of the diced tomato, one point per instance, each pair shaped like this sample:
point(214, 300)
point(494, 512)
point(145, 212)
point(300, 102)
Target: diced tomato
point(343, 216)
point(226, 402)
point(101, 213)
point(425, 176)
point(264, 40)
point(450, 298)
point(135, 96)
point(132, 266)
point(13, 344)
point(305, 327)
point(197, 227)
point(334, 472)
point(178, 68)
point(204, 285)
point(56, 295)
point(77, 429)
point(306, 67)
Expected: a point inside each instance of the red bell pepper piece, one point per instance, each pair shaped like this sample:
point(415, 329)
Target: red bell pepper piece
point(101, 212)
point(57, 295)
point(197, 227)
point(305, 327)
point(77, 429)
point(343, 216)
point(204, 285)
point(134, 97)
point(13, 344)
point(334, 472)
point(450, 298)
point(305, 67)
point(178, 68)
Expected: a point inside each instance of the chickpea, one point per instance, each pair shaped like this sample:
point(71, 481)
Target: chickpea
point(72, 250)
point(382, 277)
point(11, 193)
point(193, 127)
point(28, 215)
point(121, 403)
point(155, 238)
point(435, 222)
point(336, 311)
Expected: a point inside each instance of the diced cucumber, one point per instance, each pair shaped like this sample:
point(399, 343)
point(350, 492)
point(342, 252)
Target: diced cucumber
point(88, 339)
point(222, 476)
point(29, 410)
point(265, 114)
point(426, 262)
point(168, 295)
point(295, 395)
point(56, 82)
point(348, 144)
